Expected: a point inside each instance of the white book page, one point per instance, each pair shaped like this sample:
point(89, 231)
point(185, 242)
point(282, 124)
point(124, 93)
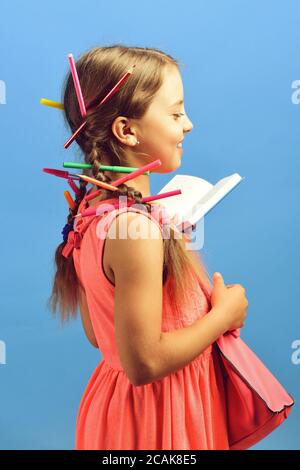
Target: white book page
point(192, 189)
point(215, 195)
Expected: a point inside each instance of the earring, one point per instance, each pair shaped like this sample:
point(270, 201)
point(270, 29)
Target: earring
point(137, 142)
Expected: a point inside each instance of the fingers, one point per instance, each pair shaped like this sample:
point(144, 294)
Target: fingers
point(218, 278)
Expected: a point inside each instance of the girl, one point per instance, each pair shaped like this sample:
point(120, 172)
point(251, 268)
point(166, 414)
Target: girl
point(146, 303)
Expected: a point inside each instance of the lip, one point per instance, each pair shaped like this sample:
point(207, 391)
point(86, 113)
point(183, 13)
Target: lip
point(180, 141)
point(180, 148)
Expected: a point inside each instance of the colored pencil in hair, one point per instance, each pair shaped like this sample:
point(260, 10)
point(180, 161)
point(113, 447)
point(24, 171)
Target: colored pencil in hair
point(73, 186)
point(93, 209)
point(69, 200)
point(77, 85)
point(98, 183)
point(122, 80)
point(132, 175)
point(53, 104)
point(60, 173)
point(115, 168)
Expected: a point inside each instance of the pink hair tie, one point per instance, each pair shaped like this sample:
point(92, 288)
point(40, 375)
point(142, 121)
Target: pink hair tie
point(74, 241)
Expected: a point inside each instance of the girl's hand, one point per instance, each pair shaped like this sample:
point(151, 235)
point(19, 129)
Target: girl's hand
point(236, 332)
point(230, 301)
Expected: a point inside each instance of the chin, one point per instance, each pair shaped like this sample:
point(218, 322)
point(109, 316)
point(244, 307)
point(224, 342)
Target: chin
point(176, 164)
point(167, 168)
point(168, 165)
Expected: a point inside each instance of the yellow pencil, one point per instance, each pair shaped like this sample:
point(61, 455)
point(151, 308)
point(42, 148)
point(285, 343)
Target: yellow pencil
point(98, 183)
point(53, 104)
point(69, 200)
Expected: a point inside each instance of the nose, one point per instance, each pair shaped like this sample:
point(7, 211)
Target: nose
point(188, 125)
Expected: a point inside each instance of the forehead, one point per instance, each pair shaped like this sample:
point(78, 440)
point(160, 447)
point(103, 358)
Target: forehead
point(171, 89)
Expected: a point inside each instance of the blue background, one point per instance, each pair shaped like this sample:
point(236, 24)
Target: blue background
point(240, 58)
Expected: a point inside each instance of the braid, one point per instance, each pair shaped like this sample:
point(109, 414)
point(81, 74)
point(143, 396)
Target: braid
point(70, 220)
point(123, 189)
point(66, 274)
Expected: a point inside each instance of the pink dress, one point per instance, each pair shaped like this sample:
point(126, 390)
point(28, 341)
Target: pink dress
point(184, 410)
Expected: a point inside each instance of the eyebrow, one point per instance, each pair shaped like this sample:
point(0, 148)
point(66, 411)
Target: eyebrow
point(177, 102)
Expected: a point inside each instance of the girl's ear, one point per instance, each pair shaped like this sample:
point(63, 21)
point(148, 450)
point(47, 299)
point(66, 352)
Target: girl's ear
point(123, 132)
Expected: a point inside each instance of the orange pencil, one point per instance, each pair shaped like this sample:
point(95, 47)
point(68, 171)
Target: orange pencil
point(98, 183)
point(69, 200)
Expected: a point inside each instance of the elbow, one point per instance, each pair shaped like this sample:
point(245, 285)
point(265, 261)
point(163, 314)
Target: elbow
point(139, 369)
point(140, 382)
point(143, 377)
point(140, 376)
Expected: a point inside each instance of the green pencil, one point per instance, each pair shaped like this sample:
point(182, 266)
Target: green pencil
point(119, 169)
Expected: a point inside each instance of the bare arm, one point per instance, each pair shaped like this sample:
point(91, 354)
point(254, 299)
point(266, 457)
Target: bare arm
point(179, 347)
point(146, 353)
point(137, 265)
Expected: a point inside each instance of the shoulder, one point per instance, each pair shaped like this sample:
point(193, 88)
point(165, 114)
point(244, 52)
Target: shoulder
point(136, 224)
point(134, 242)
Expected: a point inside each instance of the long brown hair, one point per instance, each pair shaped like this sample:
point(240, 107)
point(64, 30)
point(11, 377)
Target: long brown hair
point(98, 71)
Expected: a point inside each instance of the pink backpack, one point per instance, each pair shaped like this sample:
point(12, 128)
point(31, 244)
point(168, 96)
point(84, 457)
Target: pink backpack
point(256, 402)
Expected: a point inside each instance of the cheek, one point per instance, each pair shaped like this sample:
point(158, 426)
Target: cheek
point(163, 134)
point(169, 133)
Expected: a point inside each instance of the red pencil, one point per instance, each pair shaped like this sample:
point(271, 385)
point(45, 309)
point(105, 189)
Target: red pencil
point(93, 209)
point(130, 176)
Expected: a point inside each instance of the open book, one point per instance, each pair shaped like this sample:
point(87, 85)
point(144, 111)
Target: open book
point(197, 197)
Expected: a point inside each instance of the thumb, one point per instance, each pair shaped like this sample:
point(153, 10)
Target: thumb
point(218, 278)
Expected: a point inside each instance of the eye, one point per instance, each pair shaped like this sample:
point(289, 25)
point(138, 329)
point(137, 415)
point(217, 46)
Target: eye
point(178, 115)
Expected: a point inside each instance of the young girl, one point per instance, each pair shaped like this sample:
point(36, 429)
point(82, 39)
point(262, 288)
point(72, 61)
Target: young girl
point(145, 302)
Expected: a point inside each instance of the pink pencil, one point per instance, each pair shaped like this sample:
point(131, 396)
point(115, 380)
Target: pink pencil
point(93, 209)
point(109, 94)
point(73, 186)
point(77, 85)
point(116, 87)
point(137, 172)
point(161, 196)
point(73, 137)
point(128, 177)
